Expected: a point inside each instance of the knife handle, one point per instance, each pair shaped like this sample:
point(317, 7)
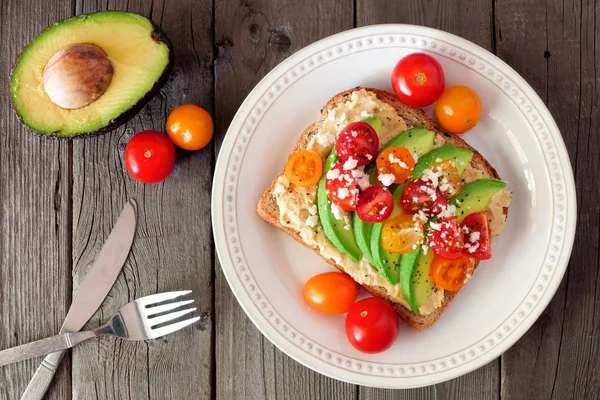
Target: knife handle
point(39, 384)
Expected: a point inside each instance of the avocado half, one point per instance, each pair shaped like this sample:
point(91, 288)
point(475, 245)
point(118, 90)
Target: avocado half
point(101, 68)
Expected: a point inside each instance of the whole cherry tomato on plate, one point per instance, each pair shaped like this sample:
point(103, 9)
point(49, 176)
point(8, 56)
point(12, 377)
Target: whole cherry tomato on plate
point(190, 127)
point(330, 292)
point(418, 80)
point(372, 325)
point(150, 156)
point(458, 109)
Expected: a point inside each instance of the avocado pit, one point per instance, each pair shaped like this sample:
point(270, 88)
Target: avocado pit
point(77, 75)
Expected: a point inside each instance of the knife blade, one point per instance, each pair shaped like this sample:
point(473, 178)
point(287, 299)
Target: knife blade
point(91, 293)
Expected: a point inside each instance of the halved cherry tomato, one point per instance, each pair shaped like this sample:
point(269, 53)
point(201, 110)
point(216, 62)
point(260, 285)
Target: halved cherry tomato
point(418, 80)
point(446, 238)
point(150, 156)
point(449, 182)
point(477, 236)
point(375, 204)
point(304, 168)
point(419, 195)
point(397, 161)
point(342, 188)
point(451, 274)
point(372, 325)
point(190, 127)
point(458, 109)
point(359, 141)
point(402, 235)
point(331, 292)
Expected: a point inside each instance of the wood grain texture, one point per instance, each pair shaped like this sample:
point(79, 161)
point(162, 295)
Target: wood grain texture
point(34, 213)
point(473, 21)
point(553, 46)
point(251, 38)
point(173, 248)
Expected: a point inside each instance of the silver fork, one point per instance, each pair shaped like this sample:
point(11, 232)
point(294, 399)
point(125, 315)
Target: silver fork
point(137, 320)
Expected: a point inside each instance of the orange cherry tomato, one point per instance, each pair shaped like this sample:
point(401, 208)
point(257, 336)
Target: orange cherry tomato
point(304, 168)
point(331, 292)
point(397, 161)
point(450, 183)
point(190, 127)
point(402, 234)
point(451, 274)
point(458, 109)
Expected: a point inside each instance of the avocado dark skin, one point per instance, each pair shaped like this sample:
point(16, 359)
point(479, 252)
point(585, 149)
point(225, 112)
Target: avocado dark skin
point(159, 36)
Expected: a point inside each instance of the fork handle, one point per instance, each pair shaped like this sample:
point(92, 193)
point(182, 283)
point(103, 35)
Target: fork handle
point(44, 346)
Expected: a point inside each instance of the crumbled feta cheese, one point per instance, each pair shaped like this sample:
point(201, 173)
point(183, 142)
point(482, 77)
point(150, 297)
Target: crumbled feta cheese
point(312, 221)
point(396, 160)
point(386, 179)
point(438, 160)
point(414, 246)
point(364, 182)
point(449, 211)
point(444, 187)
point(350, 163)
point(383, 210)
point(325, 139)
point(422, 216)
point(347, 223)
point(312, 210)
point(432, 176)
point(473, 248)
point(337, 212)
point(333, 173)
point(474, 237)
point(354, 133)
point(365, 114)
point(368, 156)
point(342, 193)
point(425, 248)
point(436, 226)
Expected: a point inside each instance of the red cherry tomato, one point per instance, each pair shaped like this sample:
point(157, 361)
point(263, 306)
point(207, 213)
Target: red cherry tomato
point(372, 325)
point(420, 195)
point(477, 236)
point(150, 156)
point(418, 80)
point(331, 292)
point(375, 204)
point(342, 188)
point(446, 238)
point(359, 141)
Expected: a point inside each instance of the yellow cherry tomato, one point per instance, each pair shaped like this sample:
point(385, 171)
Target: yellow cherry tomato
point(190, 127)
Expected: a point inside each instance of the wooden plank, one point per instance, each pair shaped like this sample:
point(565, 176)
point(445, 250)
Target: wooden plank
point(173, 245)
point(553, 46)
point(35, 284)
point(471, 20)
point(251, 38)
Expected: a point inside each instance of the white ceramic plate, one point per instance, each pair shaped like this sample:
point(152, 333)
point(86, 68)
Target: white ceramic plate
point(266, 269)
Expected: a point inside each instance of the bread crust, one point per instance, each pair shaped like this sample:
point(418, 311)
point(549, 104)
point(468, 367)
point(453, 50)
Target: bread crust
point(268, 209)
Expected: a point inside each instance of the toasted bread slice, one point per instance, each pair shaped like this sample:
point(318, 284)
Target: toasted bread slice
point(268, 208)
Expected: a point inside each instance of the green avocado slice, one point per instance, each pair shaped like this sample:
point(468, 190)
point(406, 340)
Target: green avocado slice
point(475, 196)
point(421, 284)
point(460, 155)
point(417, 140)
point(334, 229)
point(407, 266)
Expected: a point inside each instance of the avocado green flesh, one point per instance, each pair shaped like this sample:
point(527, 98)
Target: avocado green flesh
point(138, 57)
point(421, 283)
point(417, 140)
point(362, 236)
point(387, 264)
point(375, 122)
point(334, 229)
point(407, 266)
point(461, 156)
point(475, 196)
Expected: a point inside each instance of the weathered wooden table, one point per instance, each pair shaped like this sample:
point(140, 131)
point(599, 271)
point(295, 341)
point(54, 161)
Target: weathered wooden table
point(59, 199)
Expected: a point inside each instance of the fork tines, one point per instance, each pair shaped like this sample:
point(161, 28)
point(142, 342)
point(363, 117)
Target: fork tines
point(157, 313)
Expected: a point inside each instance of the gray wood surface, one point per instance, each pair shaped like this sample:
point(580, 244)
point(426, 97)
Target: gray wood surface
point(59, 200)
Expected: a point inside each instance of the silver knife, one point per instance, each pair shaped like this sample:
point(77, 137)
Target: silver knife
point(92, 292)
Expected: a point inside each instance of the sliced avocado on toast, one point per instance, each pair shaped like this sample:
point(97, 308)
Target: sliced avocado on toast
point(88, 74)
point(461, 156)
point(475, 196)
point(339, 232)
